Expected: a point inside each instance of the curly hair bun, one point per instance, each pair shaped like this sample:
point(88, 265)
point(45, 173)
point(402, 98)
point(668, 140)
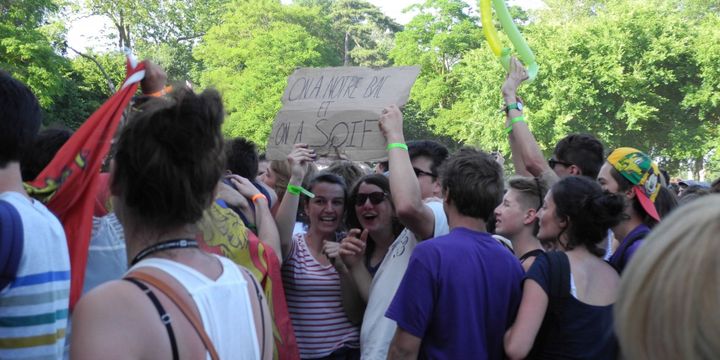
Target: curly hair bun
point(170, 158)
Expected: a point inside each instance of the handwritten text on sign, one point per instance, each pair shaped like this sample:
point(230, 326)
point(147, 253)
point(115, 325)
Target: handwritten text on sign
point(336, 110)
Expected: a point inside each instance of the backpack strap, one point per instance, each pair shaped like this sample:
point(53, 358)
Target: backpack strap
point(186, 309)
point(559, 281)
point(11, 243)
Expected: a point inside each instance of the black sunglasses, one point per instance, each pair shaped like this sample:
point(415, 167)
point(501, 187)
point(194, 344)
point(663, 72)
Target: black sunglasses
point(419, 172)
point(552, 162)
point(375, 198)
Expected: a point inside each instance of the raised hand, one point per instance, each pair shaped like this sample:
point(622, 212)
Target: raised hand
point(155, 78)
point(516, 75)
point(391, 124)
point(299, 159)
point(352, 247)
point(231, 196)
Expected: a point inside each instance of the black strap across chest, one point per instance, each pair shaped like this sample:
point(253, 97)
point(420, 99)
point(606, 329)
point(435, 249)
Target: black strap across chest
point(164, 316)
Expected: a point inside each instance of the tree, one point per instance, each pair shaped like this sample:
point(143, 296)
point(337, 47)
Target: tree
point(624, 73)
point(164, 30)
point(436, 39)
point(28, 47)
point(86, 88)
point(249, 56)
point(362, 34)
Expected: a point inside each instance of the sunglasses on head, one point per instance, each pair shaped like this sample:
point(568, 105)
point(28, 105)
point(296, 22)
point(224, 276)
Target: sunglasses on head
point(552, 162)
point(375, 198)
point(419, 172)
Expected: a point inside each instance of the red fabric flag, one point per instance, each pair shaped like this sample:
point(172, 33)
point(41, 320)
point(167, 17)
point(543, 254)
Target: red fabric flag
point(69, 184)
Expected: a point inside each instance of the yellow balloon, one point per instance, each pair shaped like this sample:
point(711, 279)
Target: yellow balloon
point(489, 28)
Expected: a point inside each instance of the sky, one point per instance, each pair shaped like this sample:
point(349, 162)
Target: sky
point(91, 31)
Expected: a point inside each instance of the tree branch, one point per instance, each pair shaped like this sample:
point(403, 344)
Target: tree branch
point(111, 86)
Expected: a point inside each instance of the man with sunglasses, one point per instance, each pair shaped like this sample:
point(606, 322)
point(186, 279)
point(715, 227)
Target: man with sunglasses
point(415, 191)
point(575, 154)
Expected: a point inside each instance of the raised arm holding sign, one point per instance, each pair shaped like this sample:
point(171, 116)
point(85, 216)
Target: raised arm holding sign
point(336, 110)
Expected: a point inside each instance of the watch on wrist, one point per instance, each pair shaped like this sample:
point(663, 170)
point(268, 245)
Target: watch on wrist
point(514, 106)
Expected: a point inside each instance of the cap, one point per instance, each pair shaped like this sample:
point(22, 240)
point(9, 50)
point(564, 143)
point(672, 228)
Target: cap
point(642, 172)
point(701, 184)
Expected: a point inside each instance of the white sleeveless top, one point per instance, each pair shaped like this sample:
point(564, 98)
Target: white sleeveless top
point(224, 305)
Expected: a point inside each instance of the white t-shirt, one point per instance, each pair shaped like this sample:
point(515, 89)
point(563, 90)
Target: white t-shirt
point(35, 304)
point(223, 304)
point(377, 331)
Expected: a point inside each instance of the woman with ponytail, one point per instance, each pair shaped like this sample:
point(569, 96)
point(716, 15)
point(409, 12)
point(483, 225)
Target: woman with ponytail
point(566, 309)
point(176, 301)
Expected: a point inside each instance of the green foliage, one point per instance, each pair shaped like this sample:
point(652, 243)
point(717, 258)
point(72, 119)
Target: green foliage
point(366, 33)
point(436, 39)
point(249, 57)
point(634, 73)
point(26, 49)
point(624, 72)
point(163, 30)
point(86, 89)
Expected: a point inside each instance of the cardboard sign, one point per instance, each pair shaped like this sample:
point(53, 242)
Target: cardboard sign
point(336, 110)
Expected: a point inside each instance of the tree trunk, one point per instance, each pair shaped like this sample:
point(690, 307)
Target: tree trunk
point(697, 167)
point(346, 58)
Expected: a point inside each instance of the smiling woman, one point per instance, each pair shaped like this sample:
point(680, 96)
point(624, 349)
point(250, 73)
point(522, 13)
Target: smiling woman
point(312, 281)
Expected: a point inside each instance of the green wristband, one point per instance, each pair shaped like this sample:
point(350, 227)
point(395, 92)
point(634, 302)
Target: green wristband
point(397, 146)
point(514, 120)
point(297, 190)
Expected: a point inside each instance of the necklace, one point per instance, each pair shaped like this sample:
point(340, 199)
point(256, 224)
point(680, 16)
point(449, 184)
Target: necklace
point(165, 245)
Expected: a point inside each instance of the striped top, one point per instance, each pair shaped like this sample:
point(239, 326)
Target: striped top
point(34, 307)
point(315, 304)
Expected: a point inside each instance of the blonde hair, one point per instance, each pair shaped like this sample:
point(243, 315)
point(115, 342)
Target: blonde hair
point(668, 302)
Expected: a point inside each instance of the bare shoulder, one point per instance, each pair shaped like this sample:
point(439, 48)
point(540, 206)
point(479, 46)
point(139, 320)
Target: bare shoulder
point(113, 321)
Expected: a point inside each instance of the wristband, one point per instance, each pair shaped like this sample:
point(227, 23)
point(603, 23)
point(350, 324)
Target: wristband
point(255, 197)
point(297, 190)
point(162, 92)
point(514, 120)
point(397, 146)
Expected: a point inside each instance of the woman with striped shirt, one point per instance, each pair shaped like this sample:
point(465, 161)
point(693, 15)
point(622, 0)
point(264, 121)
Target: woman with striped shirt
point(312, 282)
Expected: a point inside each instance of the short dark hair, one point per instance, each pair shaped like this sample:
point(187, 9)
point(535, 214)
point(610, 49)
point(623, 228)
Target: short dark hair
point(624, 185)
point(715, 186)
point(170, 158)
point(532, 190)
point(433, 150)
point(47, 143)
point(582, 150)
point(20, 118)
point(242, 157)
point(472, 181)
point(589, 211)
point(665, 202)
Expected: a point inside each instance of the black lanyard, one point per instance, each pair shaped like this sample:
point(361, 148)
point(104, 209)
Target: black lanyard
point(165, 245)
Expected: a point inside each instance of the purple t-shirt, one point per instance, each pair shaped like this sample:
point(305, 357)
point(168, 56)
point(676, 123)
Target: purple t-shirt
point(459, 294)
point(629, 245)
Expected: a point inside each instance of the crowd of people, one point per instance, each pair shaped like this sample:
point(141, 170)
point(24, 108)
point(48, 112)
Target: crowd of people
point(201, 248)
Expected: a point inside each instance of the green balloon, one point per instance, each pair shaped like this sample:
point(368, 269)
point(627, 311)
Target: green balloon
point(524, 53)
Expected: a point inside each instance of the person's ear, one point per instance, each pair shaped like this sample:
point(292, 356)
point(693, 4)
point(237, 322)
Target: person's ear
point(563, 222)
point(630, 194)
point(574, 170)
point(437, 187)
point(530, 216)
point(444, 195)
